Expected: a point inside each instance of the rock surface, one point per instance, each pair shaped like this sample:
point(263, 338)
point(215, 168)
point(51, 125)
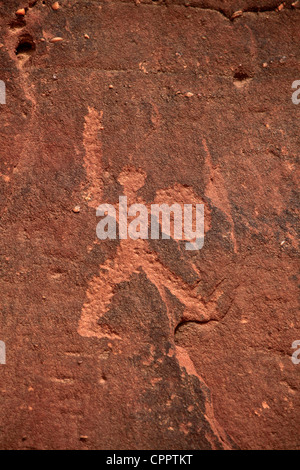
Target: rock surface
point(143, 345)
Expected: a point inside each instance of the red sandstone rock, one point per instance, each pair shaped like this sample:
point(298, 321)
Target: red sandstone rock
point(143, 345)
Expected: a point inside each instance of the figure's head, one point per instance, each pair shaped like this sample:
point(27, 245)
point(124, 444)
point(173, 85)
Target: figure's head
point(132, 179)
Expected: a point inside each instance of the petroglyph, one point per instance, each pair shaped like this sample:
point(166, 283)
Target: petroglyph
point(134, 256)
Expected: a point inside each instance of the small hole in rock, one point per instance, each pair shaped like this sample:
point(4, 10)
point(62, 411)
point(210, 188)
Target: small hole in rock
point(26, 46)
point(240, 75)
point(103, 379)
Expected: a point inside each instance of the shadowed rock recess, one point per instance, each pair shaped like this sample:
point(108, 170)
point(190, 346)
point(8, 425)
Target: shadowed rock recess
point(140, 344)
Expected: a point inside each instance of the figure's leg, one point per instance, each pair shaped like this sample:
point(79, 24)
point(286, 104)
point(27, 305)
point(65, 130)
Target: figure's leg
point(162, 277)
point(101, 289)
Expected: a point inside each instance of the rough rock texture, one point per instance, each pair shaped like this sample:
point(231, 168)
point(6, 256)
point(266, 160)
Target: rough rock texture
point(142, 344)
